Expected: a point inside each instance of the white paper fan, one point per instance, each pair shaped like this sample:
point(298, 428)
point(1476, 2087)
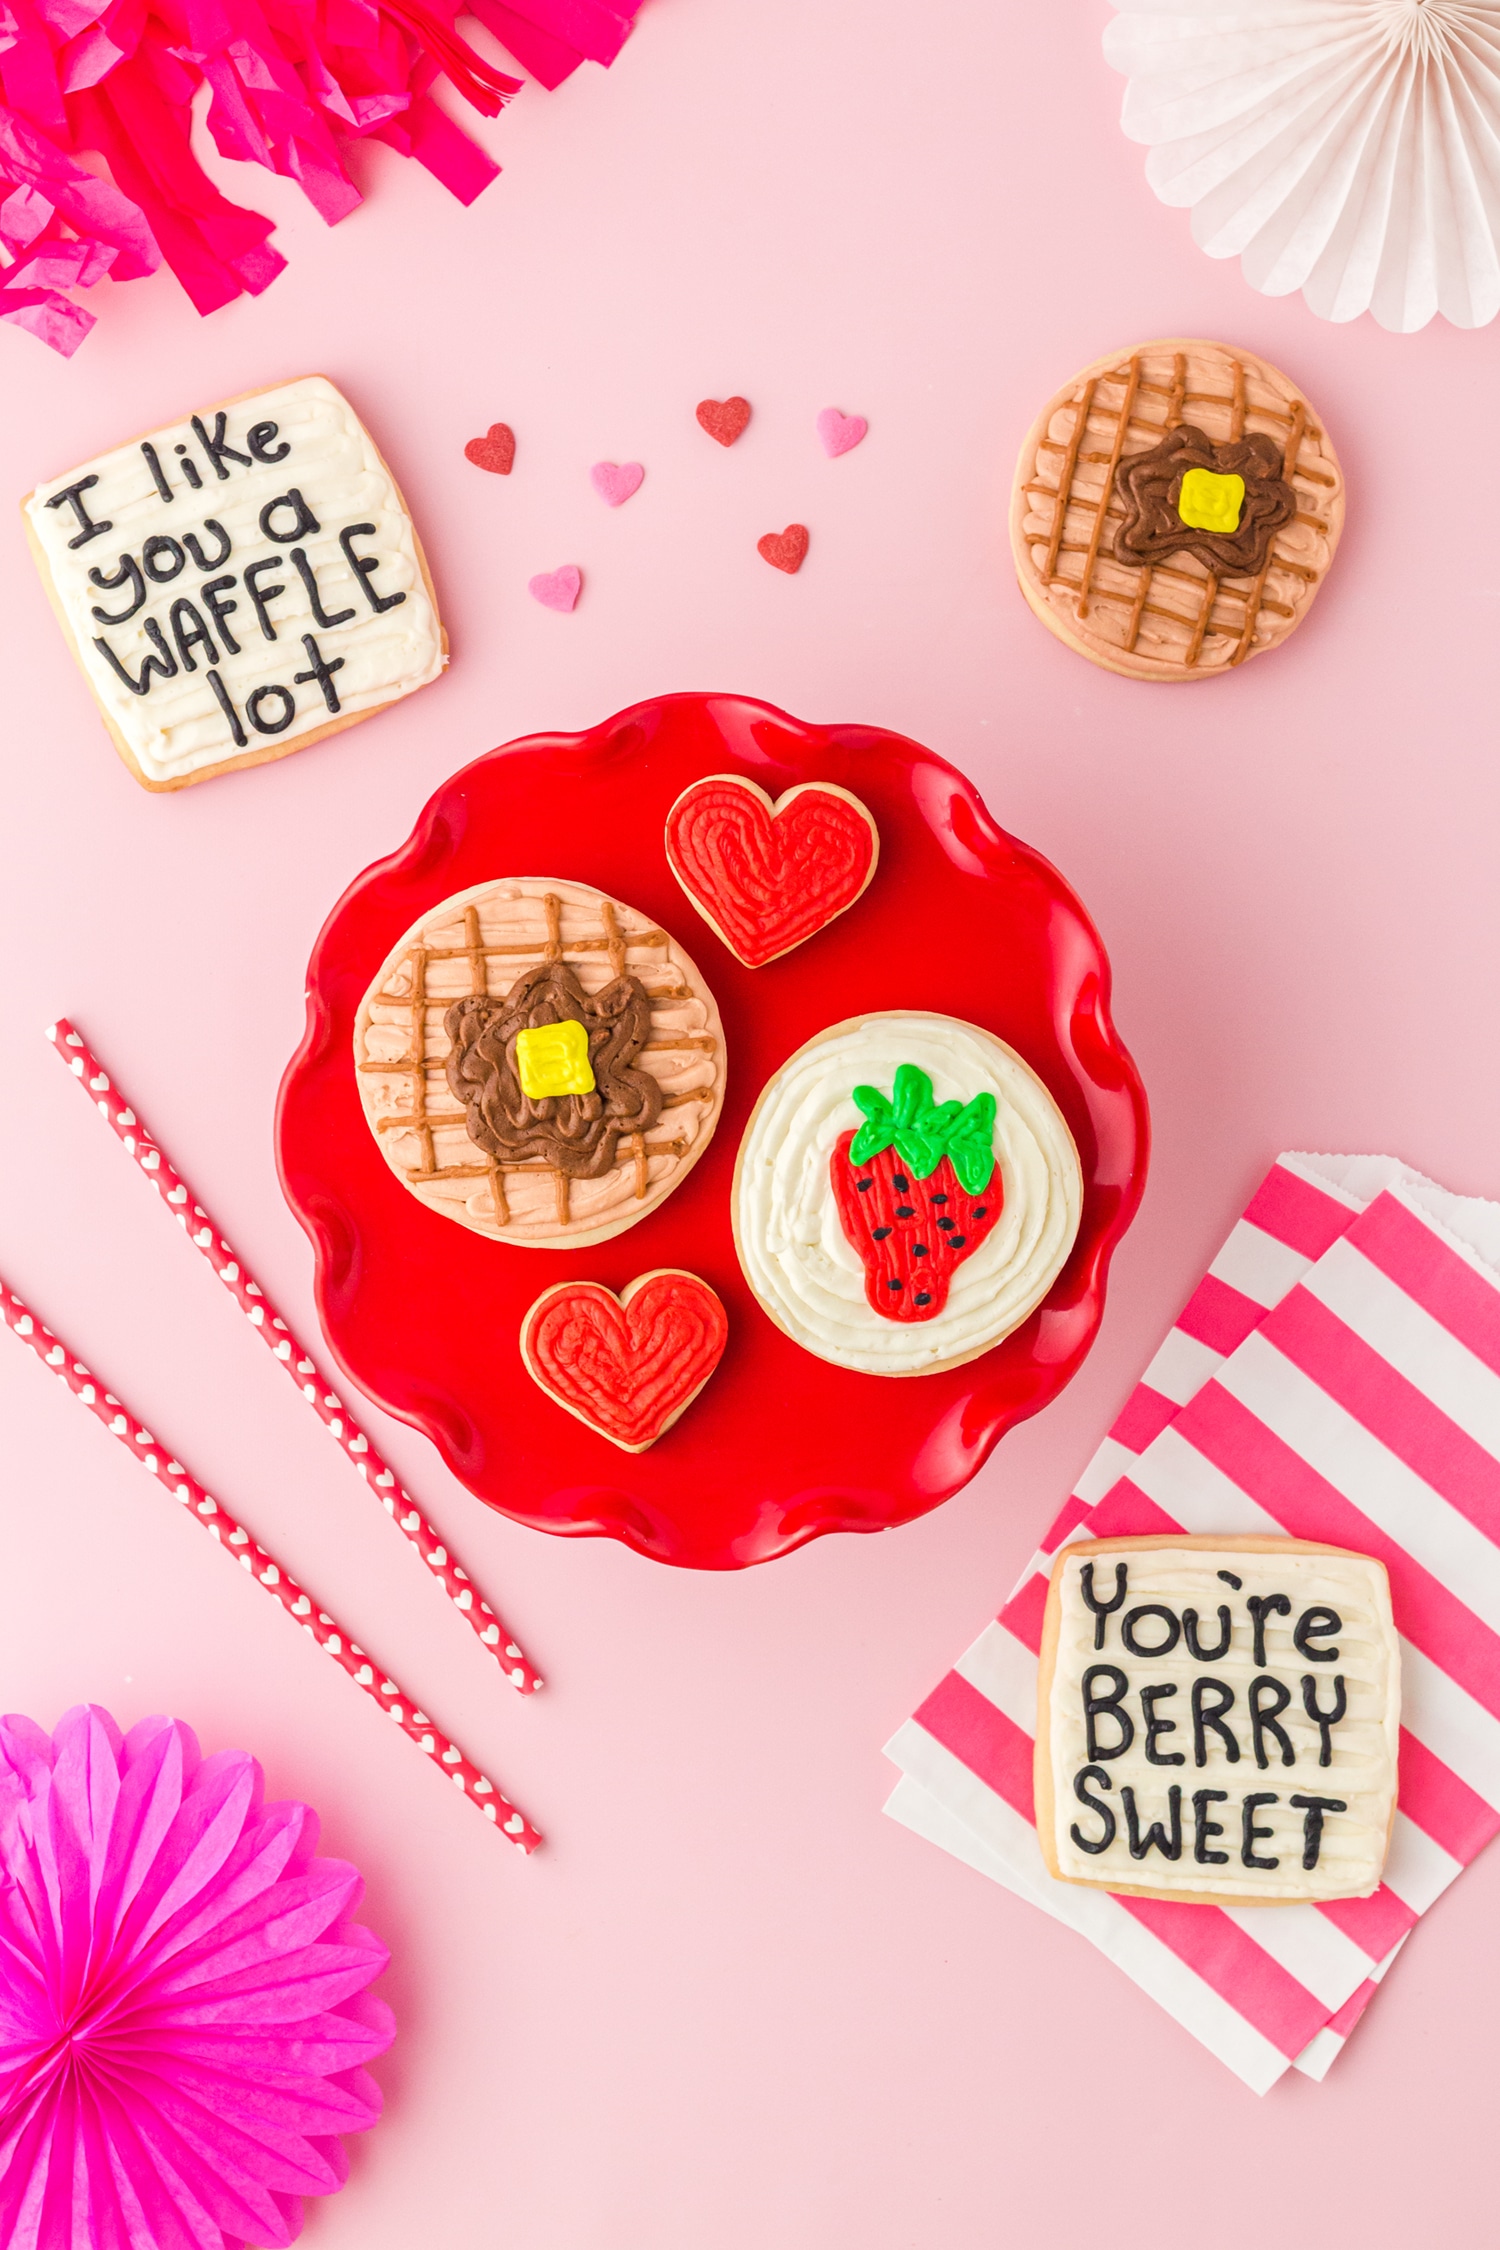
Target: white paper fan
point(1346, 148)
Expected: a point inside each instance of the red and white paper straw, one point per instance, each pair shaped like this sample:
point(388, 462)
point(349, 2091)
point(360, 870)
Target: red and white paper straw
point(266, 1571)
point(286, 1347)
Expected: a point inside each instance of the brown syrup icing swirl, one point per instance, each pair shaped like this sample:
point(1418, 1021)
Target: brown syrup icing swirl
point(574, 1133)
point(1149, 484)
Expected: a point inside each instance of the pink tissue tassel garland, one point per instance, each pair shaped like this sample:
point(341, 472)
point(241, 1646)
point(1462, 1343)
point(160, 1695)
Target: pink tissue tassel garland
point(184, 2013)
point(292, 82)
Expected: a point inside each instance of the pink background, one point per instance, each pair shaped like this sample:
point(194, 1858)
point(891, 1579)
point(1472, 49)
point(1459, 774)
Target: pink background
point(730, 2004)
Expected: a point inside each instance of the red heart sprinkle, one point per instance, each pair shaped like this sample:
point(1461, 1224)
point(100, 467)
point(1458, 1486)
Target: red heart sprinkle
point(495, 451)
point(767, 877)
point(626, 1365)
point(785, 550)
point(723, 418)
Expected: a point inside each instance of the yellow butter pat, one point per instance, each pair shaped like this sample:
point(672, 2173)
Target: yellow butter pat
point(553, 1058)
point(1210, 502)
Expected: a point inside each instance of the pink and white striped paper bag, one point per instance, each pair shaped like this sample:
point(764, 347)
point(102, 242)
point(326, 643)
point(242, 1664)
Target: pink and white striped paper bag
point(1335, 1376)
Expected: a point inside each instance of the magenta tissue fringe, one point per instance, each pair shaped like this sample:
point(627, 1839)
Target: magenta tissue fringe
point(291, 84)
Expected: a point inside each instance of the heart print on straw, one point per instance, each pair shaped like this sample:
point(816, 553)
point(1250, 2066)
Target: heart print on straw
point(265, 1570)
point(285, 1346)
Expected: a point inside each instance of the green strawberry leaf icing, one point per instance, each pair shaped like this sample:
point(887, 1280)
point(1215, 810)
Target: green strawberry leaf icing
point(923, 1131)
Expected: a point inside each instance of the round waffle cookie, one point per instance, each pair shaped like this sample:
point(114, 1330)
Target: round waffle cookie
point(539, 1062)
point(1175, 510)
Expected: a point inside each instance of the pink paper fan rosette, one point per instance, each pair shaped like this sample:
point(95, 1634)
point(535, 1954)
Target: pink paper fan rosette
point(184, 2017)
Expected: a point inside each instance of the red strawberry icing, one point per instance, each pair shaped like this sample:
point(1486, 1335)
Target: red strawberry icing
point(768, 877)
point(910, 1234)
point(626, 1365)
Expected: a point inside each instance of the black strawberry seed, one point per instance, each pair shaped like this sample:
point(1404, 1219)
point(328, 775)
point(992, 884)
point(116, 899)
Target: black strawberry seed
point(945, 1224)
point(878, 1234)
point(864, 1186)
point(937, 1198)
point(919, 1249)
point(895, 1284)
point(905, 1211)
point(957, 1241)
point(922, 1298)
point(980, 1210)
point(900, 1183)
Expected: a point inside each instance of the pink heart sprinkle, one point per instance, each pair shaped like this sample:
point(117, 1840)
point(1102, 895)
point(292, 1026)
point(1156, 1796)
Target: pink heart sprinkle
point(614, 481)
point(557, 589)
point(840, 433)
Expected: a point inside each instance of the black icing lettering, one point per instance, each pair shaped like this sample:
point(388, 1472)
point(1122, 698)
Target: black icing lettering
point(158, 473)
point(1250, 1834)
point(194, 545)
point(162, 665)
point(1196, 1650)
point(259, 441)
point(189, 468)
point(1206, 1714)
point(303, 519)
point(72, 497)
point(1111, 1706)
point(1103, 1611)
point(162, 559)
point(1265, 1721)
point(1230, 1579)
point(262, 596)
point(321, 619)
point(365, 567)
point(212, 593)
point(190, 632)
point(1312, 1826)
point(128, 574)
point(262, 695)
point(321, 671)
point(1262, 1606)
point(1169, 1844)
point(1081, 1781)
point(216, 448)
point(1203, 1827)
point(1129, 1628)
point(1324, 1721)
point(1155, 1727)
point(241, 739)
point(1320, 1622)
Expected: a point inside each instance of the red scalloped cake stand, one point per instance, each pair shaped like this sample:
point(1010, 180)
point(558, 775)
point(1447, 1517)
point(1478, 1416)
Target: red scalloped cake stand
point(424, 1315)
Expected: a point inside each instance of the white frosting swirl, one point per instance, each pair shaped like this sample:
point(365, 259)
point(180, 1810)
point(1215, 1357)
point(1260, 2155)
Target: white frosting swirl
point(793, 1248)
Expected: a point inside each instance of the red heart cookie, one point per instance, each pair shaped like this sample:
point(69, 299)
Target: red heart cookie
point(765, 876)
point(495, 451)
point(626, 1365)
point(723, 418)
point(784, 550)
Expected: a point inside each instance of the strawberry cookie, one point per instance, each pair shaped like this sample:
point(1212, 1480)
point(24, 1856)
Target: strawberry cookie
point(906, 1194)
point(539, 1062)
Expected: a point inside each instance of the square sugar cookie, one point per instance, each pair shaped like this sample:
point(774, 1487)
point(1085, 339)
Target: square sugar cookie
point(1217, 1720)
point(238, 584)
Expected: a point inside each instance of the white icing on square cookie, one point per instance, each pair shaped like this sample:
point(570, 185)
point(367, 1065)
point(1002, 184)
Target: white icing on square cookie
point(1218, 1719)
point(238, 584)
